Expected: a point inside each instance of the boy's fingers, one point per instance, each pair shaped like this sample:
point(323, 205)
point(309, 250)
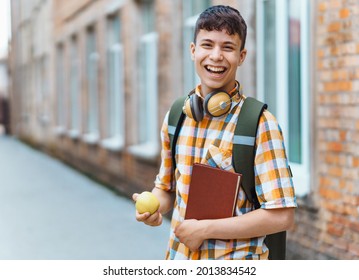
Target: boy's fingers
point(155, 219)
point(142, 217)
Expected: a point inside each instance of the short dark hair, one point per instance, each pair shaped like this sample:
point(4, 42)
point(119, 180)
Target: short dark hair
point(222, 17)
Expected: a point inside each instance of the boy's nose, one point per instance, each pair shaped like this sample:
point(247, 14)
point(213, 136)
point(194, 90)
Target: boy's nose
point(216, 54)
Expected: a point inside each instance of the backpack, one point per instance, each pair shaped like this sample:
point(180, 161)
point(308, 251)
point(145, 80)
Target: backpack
point(243, 144)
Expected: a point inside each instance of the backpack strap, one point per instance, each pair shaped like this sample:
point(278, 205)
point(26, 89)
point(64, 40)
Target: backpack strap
point(175, 120)
point(243, 160)
point(244, 145)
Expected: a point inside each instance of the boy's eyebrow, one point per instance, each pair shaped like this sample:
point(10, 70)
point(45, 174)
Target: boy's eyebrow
point(224, 43)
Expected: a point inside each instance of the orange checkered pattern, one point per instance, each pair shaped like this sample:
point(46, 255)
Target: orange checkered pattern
point(210, 142)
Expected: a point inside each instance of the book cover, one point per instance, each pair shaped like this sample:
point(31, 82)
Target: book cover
point(212, 193)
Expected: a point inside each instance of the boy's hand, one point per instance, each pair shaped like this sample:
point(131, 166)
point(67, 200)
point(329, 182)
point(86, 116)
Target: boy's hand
point(189, 232)
point(152, 220)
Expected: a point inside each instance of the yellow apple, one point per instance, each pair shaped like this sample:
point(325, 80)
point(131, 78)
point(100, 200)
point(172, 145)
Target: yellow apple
point(147, 202)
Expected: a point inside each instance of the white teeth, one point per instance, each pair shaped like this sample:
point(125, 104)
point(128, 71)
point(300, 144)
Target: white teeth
point(216, 69)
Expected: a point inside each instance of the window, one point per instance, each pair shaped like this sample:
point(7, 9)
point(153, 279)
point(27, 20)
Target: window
point(283, 81)
point(42, 89)
point(38, 87)
point(92, 127)
point(24, 83)
point(75, 89)
point(191, 11)
point(115, 87)
point(148, 128)
point(60, 90)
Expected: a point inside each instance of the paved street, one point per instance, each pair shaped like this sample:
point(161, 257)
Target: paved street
point(50, 211)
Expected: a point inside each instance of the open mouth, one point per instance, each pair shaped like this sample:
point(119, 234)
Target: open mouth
point(215, 69)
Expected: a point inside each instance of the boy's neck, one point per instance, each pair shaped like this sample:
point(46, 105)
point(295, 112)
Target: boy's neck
point(204, 90)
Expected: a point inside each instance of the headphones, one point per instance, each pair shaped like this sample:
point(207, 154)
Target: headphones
point(215, 104)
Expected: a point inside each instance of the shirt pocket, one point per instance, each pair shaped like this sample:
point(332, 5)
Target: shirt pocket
point(220, 158)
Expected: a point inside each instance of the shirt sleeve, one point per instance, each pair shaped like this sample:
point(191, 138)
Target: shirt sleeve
point(164, 179)
point(274, 184)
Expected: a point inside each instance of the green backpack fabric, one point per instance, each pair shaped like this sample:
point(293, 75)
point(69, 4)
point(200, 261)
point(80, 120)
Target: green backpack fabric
point(244, 145)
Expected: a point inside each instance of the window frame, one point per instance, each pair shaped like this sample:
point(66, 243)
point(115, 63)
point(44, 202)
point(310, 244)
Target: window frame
point(147, 146)
point(75, 89)
point(148, 143)
point(301, 171)
point(61, 113)
point(92, 133)
point(115, 89)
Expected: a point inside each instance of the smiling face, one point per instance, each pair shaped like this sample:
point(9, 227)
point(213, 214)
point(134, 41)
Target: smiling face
point(216, 56)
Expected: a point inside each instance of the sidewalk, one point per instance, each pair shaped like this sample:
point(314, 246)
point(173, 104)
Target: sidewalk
point(50, 211)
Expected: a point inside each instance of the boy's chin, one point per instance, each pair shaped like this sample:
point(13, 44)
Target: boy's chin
point(211, 85)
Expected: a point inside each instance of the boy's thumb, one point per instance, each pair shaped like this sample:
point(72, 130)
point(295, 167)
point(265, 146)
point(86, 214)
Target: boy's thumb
point(134, 197)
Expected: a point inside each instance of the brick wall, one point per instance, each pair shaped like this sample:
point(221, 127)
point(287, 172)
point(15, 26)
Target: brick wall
point(327, 224)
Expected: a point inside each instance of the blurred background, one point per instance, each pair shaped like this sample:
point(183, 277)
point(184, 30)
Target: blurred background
point(89, 82)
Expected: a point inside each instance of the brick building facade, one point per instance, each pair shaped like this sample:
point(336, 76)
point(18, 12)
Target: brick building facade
point(92, 81)
point(328, 220)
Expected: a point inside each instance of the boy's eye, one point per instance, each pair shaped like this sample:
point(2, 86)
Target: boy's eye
point(228, 48)
point(206, 45)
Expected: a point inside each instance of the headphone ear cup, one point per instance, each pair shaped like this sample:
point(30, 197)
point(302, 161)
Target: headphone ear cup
point(187, 108)
point(196, 107)
point(193, 108)
point(217, 103)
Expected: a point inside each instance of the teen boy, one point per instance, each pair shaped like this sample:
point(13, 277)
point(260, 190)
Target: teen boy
point(217, 51)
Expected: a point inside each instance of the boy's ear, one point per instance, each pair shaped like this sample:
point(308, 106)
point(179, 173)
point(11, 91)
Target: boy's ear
point(242, 56)
point(192, 49)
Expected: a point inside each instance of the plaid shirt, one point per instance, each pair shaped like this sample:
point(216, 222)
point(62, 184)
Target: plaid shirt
point(210, 142)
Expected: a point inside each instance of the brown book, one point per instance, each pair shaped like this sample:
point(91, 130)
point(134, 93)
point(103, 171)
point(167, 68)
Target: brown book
point(212, 193)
